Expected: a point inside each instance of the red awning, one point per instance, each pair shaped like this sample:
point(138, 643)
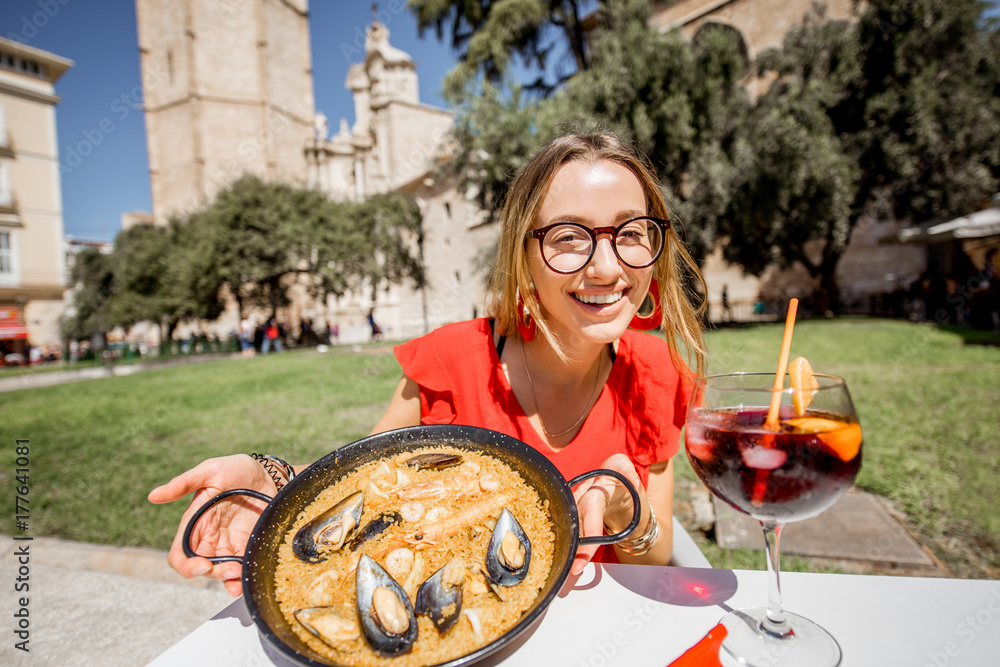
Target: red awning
point(12, 325)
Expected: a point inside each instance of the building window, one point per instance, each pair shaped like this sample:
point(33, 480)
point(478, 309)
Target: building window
point(23, 65)
point(6, 195)
point(3, 126)
point(6, 256)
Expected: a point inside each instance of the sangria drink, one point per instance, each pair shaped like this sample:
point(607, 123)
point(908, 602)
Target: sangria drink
point(778, 453)
point(790, 475)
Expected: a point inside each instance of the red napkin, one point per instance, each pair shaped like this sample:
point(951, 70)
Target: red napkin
point(706, 652)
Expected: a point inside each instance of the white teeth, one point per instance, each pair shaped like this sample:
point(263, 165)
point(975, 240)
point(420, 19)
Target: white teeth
point(598, 298)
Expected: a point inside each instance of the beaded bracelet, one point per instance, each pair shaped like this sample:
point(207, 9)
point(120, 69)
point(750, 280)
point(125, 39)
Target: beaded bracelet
point(269, 462)
point(637, 546)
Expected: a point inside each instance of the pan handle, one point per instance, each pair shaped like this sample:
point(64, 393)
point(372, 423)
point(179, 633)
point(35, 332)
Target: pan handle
point(186, 543)
point(636, 507)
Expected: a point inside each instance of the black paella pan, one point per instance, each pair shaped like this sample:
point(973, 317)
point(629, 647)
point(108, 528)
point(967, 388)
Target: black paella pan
point(261, 557)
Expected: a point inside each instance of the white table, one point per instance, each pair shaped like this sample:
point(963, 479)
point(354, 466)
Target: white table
point(643, 616)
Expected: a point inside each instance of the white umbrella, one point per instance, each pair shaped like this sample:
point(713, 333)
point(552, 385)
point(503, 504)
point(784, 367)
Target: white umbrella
point(973, 226)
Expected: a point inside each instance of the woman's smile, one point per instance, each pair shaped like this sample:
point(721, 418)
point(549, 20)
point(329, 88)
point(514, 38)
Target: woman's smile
point(600, 299)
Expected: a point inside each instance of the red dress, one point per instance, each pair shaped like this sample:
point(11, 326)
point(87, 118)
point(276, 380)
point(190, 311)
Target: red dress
point(640, 410)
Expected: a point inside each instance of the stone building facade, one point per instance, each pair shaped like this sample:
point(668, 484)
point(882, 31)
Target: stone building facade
point(33, 275)
point(227, 91)
point(761, 24)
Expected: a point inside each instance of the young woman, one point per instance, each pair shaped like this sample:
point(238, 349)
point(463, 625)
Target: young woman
point(586, 251)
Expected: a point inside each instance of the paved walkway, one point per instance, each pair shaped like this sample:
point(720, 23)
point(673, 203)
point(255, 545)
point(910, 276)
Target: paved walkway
point(31, 379)
point(857, 535)
point(94, 605)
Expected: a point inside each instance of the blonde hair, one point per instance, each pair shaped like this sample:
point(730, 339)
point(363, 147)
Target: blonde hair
point(675, 270)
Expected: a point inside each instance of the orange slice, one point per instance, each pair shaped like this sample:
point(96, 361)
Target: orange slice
point(804, 385)
point(814, 424)
point(842, 438)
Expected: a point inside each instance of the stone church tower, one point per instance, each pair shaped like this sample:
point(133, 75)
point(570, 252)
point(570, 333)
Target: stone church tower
point(227, 90)
point(394, 145)
point(394, 137)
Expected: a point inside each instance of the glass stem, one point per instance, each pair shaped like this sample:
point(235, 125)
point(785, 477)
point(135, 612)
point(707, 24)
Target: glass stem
point(776, 624)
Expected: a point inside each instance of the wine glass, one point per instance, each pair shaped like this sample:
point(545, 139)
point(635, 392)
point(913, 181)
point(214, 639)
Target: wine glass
point(789, 468)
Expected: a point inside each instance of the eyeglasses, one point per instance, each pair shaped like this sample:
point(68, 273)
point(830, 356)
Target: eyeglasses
point(567, 247)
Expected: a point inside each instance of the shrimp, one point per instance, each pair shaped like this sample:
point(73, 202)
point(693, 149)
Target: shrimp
point(434, 532)
point(468, 516)
point(436, 513)
point(399, 562)
point(412, 511)
point(449, 487)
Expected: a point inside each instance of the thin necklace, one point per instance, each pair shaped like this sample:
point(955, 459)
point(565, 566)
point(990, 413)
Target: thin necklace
point(586, 410)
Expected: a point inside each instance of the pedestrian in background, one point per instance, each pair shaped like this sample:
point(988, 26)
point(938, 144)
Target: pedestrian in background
point(376, 331)
point(272, 337)
point(247, 330)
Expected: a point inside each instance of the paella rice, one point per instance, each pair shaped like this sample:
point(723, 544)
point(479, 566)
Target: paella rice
point(416, 513)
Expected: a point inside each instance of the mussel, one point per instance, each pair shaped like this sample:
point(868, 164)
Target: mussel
point(374, 528)
point(508, 554)
point(330, 530)
point(329, 624)
point(434, 460)
point(440, 597)
point(384, 610)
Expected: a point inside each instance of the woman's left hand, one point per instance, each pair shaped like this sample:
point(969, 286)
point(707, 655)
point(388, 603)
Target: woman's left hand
point(603, 499)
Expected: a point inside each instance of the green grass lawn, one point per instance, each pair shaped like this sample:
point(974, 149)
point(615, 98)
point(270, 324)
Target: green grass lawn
point(927, 398)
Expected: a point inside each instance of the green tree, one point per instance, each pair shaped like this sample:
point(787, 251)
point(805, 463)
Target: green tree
point(92, 276)
point(140, 281)
point(680, 101)
point(487, 33)
point(386, 232)
point(898, 112)
point(192, 279)
point(262, 238)
point(495, 133)
point(253, 243)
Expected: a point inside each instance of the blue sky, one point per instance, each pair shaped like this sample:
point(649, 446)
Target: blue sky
point(104, 86)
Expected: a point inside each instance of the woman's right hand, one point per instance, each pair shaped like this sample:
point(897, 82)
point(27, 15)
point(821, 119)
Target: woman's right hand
point(226, 527)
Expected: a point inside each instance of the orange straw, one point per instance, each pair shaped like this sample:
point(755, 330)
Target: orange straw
point(779, 379)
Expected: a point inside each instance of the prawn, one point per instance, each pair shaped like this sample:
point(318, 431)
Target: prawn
point(449, 487)
point(436, 531)
point(432, 533)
